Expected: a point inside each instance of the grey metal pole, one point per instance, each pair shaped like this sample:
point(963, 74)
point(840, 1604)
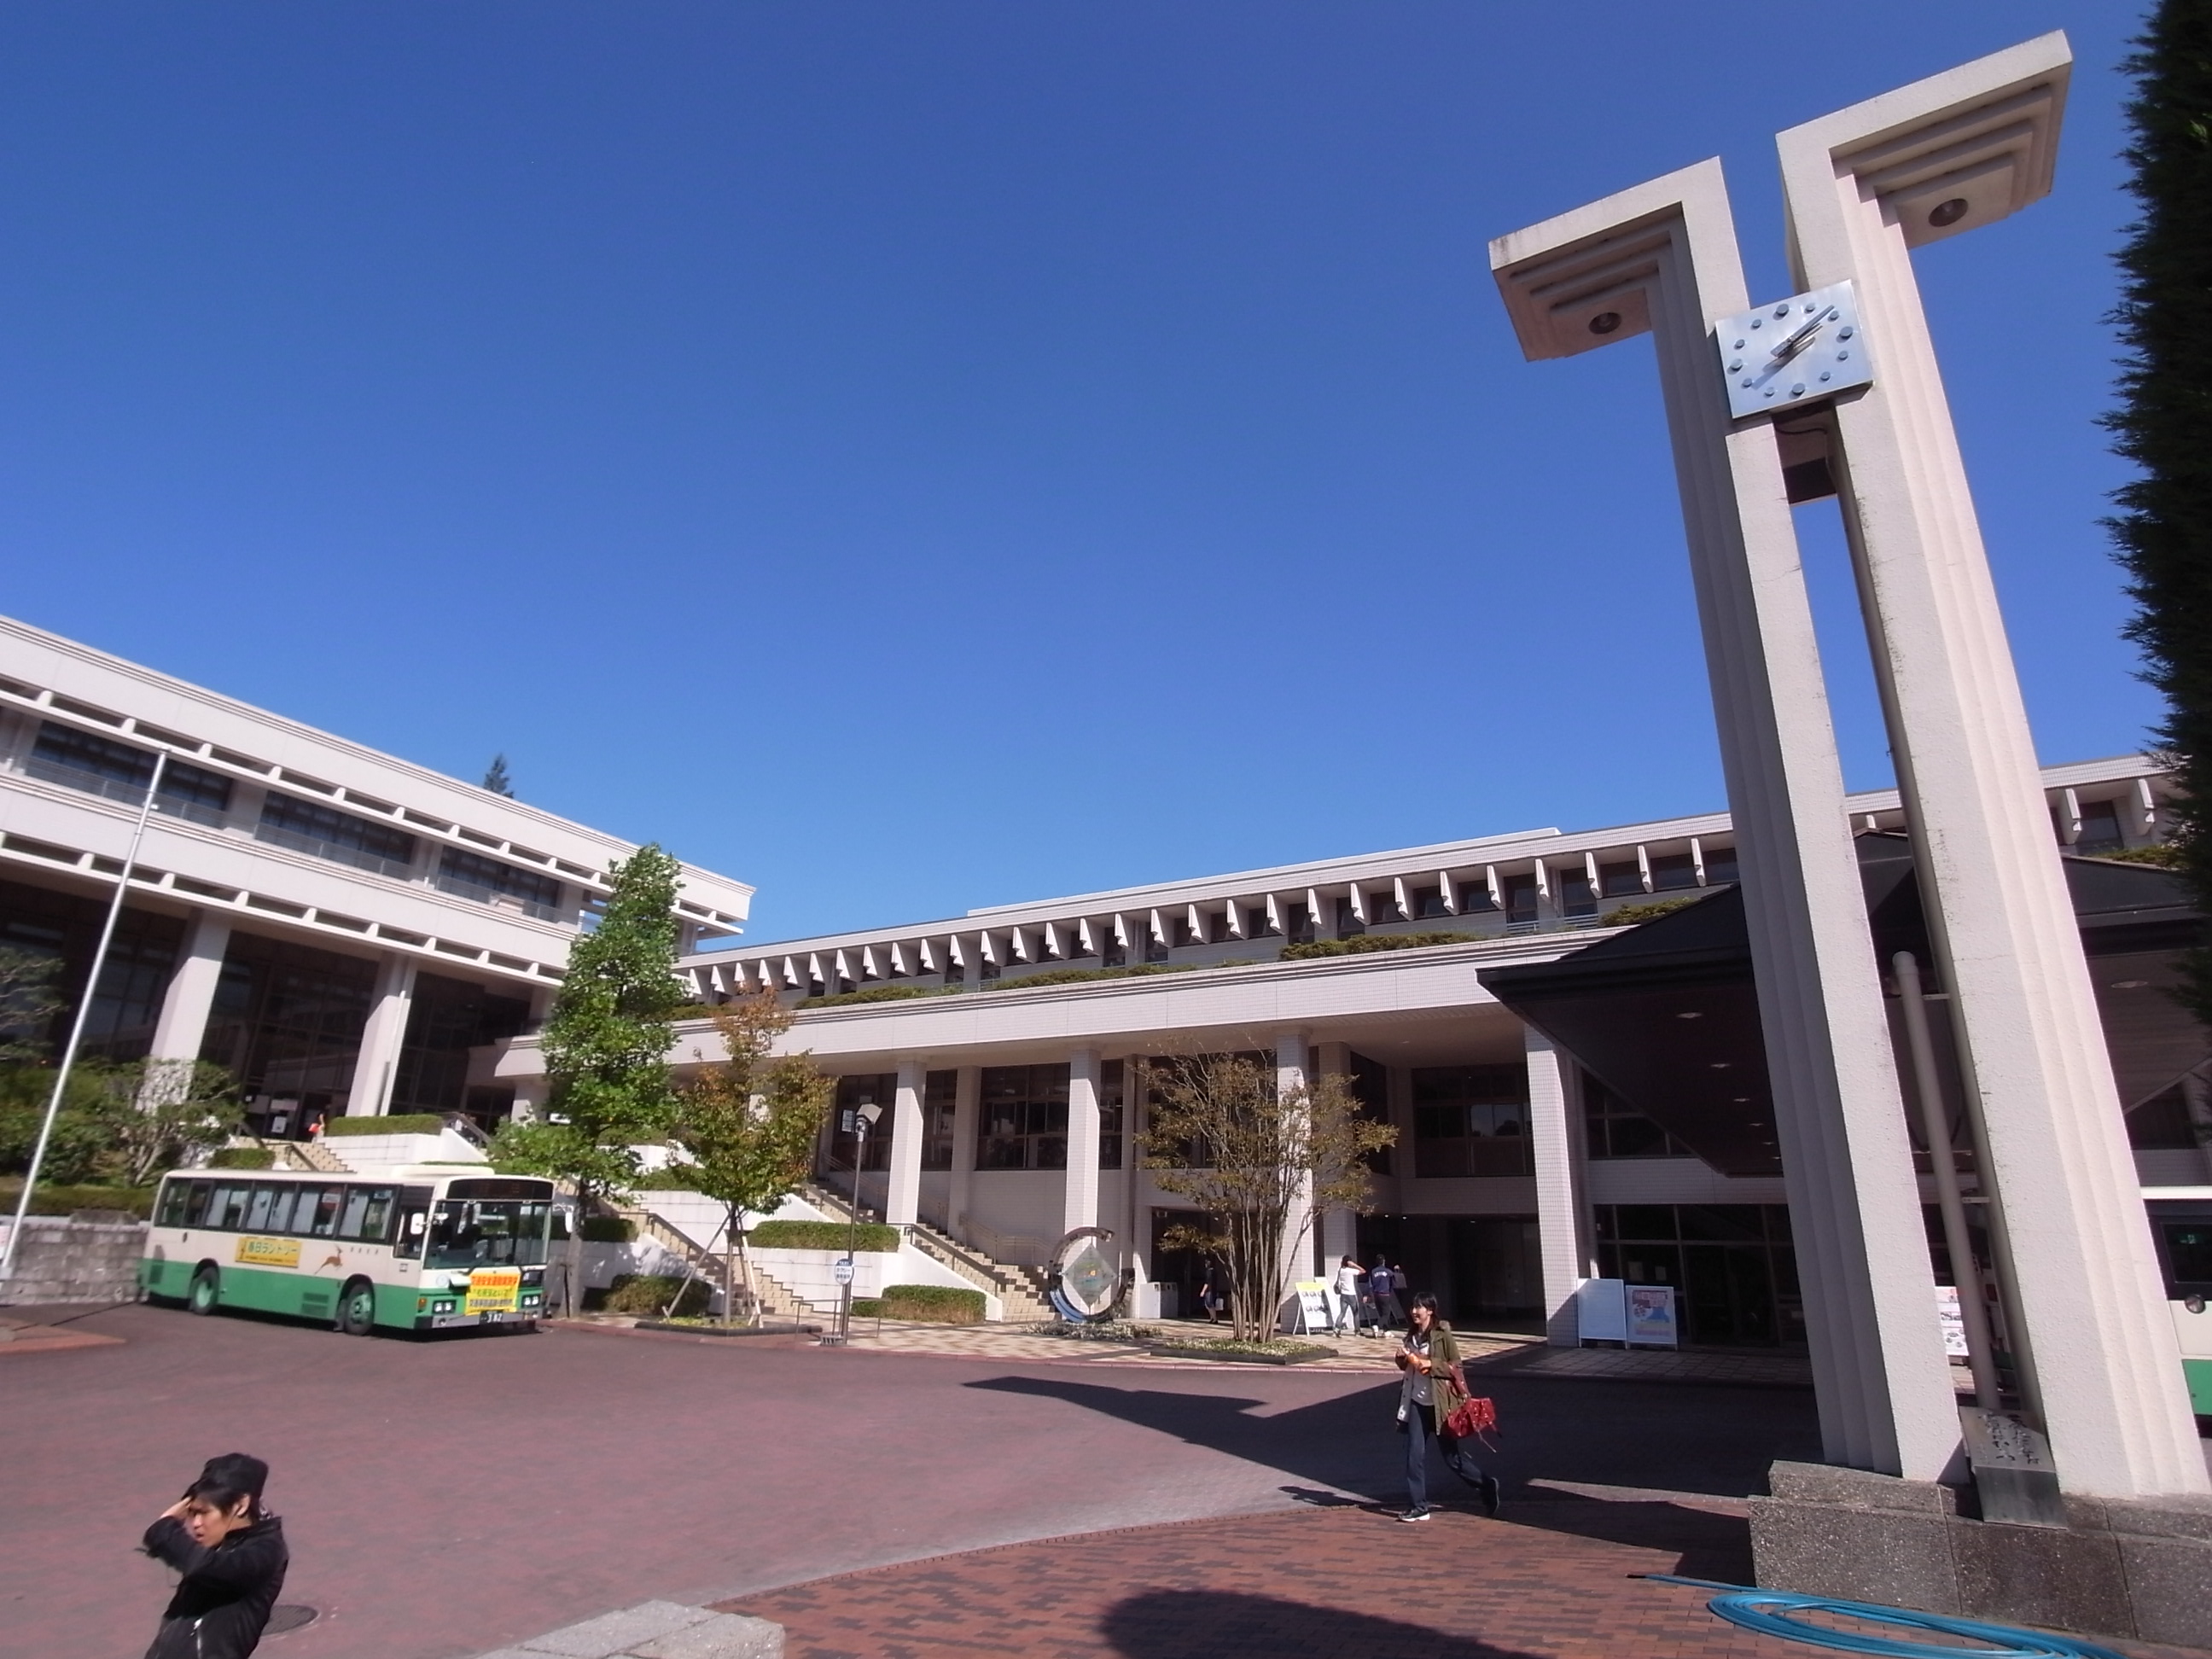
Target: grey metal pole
point(83, 1017)
point(1936, 1125)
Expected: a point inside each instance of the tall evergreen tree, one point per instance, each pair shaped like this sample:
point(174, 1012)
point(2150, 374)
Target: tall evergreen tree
point(606, 1041)
point(2164, 423)
point(496, 780)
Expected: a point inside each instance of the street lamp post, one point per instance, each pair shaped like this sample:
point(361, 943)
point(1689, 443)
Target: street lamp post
point(859, 1121)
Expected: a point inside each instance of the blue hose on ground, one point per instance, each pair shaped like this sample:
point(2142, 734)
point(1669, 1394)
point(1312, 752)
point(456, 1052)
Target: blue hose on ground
point(1766, 1612)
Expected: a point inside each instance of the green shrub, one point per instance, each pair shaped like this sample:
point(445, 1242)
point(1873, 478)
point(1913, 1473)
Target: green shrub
point(609, 1229)
point(1083, 975)
point(868, 1307)
point(2164, 855)
point(647, 1294)
point(938, 1305)
point(821, 1235)
point(63, 1200)
point(402, 1123)
point(670, 1178)
point(1361, 944)
point(873, 993)
point(242, 1157)
point(1630, 914)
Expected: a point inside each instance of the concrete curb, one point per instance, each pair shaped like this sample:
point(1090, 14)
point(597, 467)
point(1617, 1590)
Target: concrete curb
point(655, 1630)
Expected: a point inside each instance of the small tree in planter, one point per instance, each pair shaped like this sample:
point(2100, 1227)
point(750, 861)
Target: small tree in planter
point(606, 1043)
point(1222, 1135)
point(157, 1113)
point(749, 1126)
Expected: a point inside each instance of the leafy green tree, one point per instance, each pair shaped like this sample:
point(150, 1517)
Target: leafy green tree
point(1221, 1133)
point(748, 1127)
point(80, 1138)
point(2164, 423)
point(606, 1041)
point(157, 1113)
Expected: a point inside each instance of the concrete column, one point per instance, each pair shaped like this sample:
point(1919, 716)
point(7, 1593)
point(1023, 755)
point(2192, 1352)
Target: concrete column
point(182, 1026)
point(1662, 258)
point(374, 1069)
point(1137, 1241)
point(967, 1098)
point(2101, 1362)
point(1551, 1134)
point(1294, 1056)
point(1080, 1186)
point(1339, 1234)
point(902, 1199)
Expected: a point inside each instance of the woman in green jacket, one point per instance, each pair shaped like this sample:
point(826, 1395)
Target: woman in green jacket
point(1426, 1397)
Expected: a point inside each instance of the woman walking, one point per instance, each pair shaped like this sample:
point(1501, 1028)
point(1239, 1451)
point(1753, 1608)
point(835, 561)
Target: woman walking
point(1432, 1391)
point(231, 1552)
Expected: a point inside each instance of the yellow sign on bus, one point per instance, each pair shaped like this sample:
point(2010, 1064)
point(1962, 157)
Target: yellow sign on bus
point(270, 1252)
point(493, 1290)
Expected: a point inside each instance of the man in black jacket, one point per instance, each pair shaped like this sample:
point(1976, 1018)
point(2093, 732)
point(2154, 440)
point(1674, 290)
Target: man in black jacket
point(231, 1552)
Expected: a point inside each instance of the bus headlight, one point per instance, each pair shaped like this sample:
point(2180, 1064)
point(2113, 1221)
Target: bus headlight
point(442, 1307)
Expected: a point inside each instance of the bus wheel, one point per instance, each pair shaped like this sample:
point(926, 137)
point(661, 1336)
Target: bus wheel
point(206, 1292)
point(357, 1309)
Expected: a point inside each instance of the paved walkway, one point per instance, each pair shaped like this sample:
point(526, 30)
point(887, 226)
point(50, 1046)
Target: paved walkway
point(1027, 1344)
point(1552, 1579)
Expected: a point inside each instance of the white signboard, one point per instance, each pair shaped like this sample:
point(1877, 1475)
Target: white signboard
point(1313, 1305)
point(1601, 1311)
point(1651, 1315)
point(841, 1269)
point(1953, 1324)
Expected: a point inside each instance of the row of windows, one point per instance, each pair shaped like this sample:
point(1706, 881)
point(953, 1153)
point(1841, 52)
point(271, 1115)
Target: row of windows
point(101, 766)
point(294, 1208)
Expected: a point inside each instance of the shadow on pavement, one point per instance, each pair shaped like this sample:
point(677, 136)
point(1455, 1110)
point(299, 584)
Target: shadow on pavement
point(1209, 1624)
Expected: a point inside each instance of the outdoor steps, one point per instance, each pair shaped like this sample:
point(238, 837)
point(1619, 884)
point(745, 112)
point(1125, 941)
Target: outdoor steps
point(777, 1299)
point(309, 1155)
point(1021, 1290)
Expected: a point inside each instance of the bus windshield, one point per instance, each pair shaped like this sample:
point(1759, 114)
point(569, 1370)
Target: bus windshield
point(481, 1232)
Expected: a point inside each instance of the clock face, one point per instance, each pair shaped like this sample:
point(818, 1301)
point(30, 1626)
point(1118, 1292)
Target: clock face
point(1794, 351)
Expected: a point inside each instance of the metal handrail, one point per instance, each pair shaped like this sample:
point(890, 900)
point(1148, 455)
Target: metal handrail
point(123, 789)
point(336, 851)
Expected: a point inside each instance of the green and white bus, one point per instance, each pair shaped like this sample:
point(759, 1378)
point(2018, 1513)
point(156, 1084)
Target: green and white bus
point(413, 1250)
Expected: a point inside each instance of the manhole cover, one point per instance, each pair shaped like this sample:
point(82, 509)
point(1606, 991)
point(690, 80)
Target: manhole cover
point(290, 1616)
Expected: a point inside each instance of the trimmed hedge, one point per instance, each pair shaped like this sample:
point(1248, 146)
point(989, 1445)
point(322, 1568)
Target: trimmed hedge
point(242, 1157)
point(874, 993)
point(647, 1294)
point(1360, 945)
point(402, 1123)
point(821, 1235)
point(1630, 914)
point(938, 1305)
point(609, 1229)
point(63, 1200)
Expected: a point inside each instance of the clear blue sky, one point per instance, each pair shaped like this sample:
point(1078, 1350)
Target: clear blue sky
point(911, 457)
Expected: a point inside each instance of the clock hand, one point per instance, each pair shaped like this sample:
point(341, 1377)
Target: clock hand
point(1788, 347)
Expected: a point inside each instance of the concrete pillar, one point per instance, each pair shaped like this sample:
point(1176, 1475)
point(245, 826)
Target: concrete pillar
point(1137, 1240)
point(967, 1099)
point(1662, 258)
point(376, 1066)
point(2101, 1362)
point(182, 1026)
point(902, 1197)
point(1294, 1056)
point(1080, 1186)
point(1340, 1235)
point(1551, 1132)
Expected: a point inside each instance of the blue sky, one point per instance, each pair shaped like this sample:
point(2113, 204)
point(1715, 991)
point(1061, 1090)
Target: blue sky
point(917, 457)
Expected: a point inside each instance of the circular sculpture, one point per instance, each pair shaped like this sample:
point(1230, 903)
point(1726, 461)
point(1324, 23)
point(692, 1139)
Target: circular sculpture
point(1086, 1285)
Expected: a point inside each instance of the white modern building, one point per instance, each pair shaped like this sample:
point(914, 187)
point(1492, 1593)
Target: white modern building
point(346, 932)
point(1008, 1048)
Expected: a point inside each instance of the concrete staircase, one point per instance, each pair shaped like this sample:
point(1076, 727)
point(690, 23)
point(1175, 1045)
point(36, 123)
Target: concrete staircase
point(1021, 1290)
point(777, 1300)
point(309, 1155)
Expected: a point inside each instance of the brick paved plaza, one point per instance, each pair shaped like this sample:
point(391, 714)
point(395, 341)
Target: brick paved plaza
point(444, 1498)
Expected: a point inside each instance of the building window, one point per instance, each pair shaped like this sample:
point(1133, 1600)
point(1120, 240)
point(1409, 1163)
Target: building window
point(1576, 896)
point(1676, 870)
point(1471, 1120)
point(2101, 827)
point(1156, 948)
point(2163, 1123)
point(101, 766)
point(1301, 924)
point(1112, 953)
point(446, 1019)
point(1112, 1102)
point(1475, 898)
point(1521, 900)
point(1720, 865)
point(1185, 935)
point(940, 1092)
point(1255, 922)
point(1616, 1130)
point(1370, 1087)
point(853, 1093)
point(287, 1022)
point(1023, 1121)
point(62, 926)
point(1428, 901)
point(486, 880)
point(1620, 880)
point(1348, 924)
point(327, 833)
point(1733, 1268)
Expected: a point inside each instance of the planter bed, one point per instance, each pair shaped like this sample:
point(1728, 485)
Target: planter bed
point(682, 1327)
point(1238, 1356)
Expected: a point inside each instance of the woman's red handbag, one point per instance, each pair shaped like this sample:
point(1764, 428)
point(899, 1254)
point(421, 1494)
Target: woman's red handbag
point(1472, 1419)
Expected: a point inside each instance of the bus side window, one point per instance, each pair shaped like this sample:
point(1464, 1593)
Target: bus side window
point(280, 1212)
point(368, 1214)
point(257, 1213)
point(176, 1194)
point(196, 1202)
point(326, 1211)
point(412, 1224)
